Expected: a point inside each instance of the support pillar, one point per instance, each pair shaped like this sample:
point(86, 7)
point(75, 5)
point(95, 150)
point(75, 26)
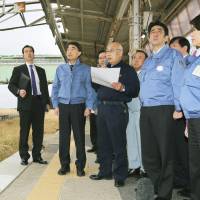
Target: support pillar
point(134, 27)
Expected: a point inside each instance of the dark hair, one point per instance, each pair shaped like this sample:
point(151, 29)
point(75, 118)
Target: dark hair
point(27, 46)
point(141, 51)
point(182, 42)
point(196, 22)
point(75, 44)
point(158, 23)
point(101, 51)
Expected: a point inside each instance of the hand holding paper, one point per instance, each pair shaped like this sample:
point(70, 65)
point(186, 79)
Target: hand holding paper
point(105, 76)
point(118, 86)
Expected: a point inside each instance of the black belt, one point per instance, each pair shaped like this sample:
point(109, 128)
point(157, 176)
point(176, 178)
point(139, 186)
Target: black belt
point(113, 103)
point(37, 96)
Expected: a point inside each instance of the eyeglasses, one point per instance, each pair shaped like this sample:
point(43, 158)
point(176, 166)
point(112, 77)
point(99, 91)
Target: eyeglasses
point(103, 57)
point(112, 50)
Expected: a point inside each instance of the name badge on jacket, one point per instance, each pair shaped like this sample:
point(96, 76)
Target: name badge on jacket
point(159, 68)
point(196, 71)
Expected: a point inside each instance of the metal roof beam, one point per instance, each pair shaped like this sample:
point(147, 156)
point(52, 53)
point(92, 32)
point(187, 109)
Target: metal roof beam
point(115, 26)
point(27, 3)
point(82, 24)
point(11, 9)
point(50, 15)
point(62, 19)
point(36, 21)
point(23, 18)
point(90, 12)
point(18, 27)
point(86, 16)
point(85, 43)
point(7, 18)
point(172, 9)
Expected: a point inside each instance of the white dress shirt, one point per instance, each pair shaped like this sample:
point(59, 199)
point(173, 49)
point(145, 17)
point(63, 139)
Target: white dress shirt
point(37, 80)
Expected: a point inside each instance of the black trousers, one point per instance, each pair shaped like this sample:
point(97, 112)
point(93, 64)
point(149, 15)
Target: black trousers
point(34, 118)
point(157, 128)
point(194, 157)
point(72, 116)
point(181, 155)
point(93, 130)
point(111, 124)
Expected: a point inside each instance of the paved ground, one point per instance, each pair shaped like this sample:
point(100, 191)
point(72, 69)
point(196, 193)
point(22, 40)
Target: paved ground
point(38, 182)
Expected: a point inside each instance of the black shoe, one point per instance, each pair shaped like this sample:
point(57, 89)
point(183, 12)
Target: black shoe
point(80, 172)
point(143, 174)
point(63, 171)
point(178, 186)
point(119, 183)
point(134, 173)
point(184, 192)
point(24, 161)
point(99, 177)
point(40, 161)
point(92, 150)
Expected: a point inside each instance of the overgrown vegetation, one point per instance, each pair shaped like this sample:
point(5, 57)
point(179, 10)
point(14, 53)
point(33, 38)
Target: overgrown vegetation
point(9, 133)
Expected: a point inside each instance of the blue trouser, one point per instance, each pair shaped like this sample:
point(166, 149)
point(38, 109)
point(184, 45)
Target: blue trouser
point(134, 141)
point(111, 123)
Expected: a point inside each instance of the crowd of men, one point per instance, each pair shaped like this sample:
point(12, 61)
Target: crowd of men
point(146, 124)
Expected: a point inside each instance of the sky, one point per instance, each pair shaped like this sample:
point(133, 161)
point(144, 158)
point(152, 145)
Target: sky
point(40, 37)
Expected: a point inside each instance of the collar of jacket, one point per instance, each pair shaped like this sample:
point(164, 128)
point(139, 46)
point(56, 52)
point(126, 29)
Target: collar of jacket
point(77, 63)
point(190, 59)
point(161, 52)
point(117, 65)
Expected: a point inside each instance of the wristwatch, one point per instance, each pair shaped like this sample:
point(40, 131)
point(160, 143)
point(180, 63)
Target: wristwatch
point(123, 89)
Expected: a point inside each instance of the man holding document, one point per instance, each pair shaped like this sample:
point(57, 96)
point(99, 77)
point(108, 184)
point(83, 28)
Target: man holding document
point(29, 84)
point(119, 84)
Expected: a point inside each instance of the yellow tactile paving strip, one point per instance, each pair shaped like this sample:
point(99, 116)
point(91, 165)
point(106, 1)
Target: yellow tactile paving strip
point(50, 183)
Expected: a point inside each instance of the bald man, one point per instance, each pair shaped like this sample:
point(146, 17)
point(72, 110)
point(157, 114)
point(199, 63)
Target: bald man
point(112, 118)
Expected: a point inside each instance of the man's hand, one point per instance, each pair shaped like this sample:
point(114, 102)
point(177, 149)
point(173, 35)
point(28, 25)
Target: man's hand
point(87, 112)
point(22, 93)
point(186, 132)
point(177, 115)
point(47, 108)
point(118, 86)
point(56, 111)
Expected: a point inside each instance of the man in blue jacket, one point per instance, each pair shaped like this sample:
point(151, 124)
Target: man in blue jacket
point(161, 79)
point(133, 127)
point(190, 103)
point(72, 98)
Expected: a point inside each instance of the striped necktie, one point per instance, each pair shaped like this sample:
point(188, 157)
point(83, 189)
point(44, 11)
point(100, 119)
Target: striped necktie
point(33, 82)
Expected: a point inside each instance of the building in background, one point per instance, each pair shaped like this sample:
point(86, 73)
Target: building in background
point(48, 62)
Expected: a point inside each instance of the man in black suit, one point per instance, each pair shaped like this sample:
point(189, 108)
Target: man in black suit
point(29, 84)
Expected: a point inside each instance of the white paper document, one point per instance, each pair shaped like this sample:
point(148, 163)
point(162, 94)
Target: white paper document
point(105, 76)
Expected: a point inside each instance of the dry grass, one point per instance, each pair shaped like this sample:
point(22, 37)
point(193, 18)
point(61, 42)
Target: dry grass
point(9, 133)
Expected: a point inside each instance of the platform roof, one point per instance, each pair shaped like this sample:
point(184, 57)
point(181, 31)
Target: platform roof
point(93, 23)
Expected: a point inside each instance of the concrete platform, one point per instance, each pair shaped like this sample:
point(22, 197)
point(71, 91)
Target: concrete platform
point(10, 170)
point(41, 182)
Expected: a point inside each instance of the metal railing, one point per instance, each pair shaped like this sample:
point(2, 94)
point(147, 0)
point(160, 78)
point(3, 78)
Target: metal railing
point(8, 116)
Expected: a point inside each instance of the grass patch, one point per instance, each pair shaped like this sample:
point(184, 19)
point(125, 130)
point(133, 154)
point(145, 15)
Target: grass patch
point(9, 133)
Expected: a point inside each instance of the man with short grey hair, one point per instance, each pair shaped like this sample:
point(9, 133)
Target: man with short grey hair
point(112, 118)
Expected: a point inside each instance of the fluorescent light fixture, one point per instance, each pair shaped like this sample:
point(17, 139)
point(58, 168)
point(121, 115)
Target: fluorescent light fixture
point(60, 27)
point(57, 19)
point(143, 36)
point(54, 5)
